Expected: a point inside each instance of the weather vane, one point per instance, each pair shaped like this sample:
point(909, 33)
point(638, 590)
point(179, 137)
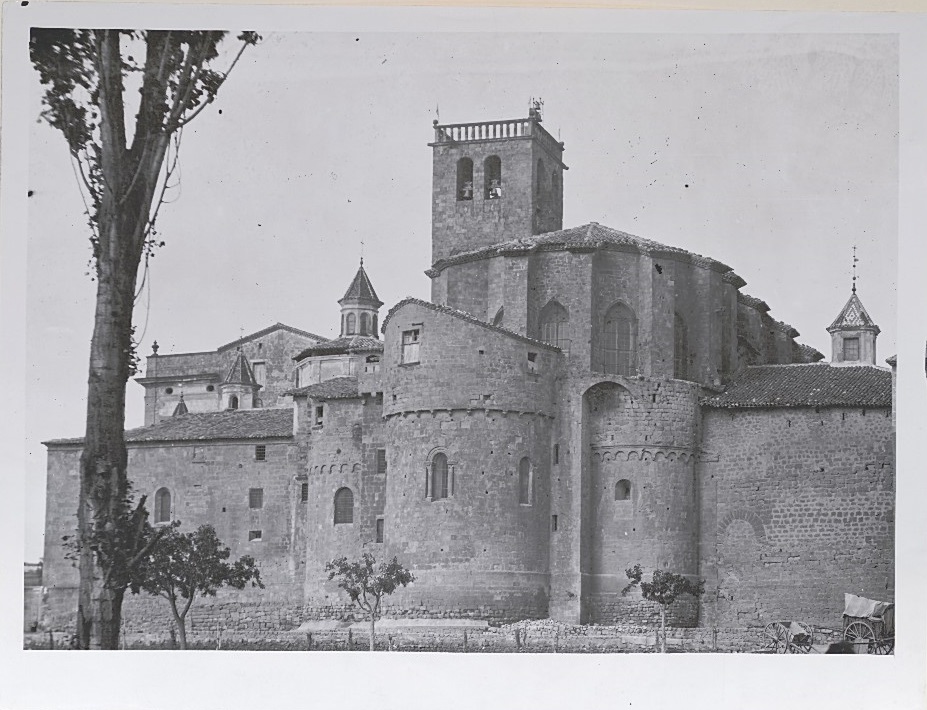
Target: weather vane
point(362, 251)
point(854, 268)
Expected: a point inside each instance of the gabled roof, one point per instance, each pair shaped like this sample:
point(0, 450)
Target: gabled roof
point(262, 333)
point(466, 317)
point(853, 316)
point(240, 372)
point(587, 237)
point(335, 388)
point(807, 385)
point(210, 426)
point(361, 290)
point(343, 345)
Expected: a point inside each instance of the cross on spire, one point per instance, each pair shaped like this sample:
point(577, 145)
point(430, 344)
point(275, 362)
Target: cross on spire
point(362, 251)
point(854, 268)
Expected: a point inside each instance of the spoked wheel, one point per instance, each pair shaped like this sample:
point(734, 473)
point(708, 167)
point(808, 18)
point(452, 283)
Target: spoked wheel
point(775, 638)
point(801, 643)
point(860, 632)
point(883, 647)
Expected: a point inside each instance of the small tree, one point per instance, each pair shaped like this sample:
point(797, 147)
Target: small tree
point(184, 566)
point(367, 585)
point(664, 589)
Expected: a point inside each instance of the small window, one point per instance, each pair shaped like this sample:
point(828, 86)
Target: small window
point(254, 536)
point(532, 363)
point(492, 178)
point(556, 453)
point(525, 492)
point(381, 460)
point(439, 477)
point(210, 388)
point(304, 493)
point(260, 452)
point(410, 342)
point(162, 508)
point(233, 402)
point(851, 349)
point(350, 324)
point(169, 390)
point(344, 506)
point(553, 523)
point(255, 498)
point(379, 530)
point(319, 414)
point(623, 490)
point(464, 179)
point(260, 372)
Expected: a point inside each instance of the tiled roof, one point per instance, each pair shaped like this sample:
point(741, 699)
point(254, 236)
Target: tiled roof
point(586, 237)
point(208, 426)
point(852, 316)
point(807, 385)
point(335, 388)
point(361, 289)
point(240, 372)
point(467, 317)
point(344, 344)
point(808, 353)
point(753, 302)
point(266, 331)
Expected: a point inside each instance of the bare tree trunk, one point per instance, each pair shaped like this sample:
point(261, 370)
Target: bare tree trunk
point(180, 621)
point(373, 637)
point(662, 629)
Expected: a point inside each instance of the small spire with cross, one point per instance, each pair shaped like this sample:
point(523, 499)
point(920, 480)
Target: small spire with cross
point(854, 268)
point(362, 251)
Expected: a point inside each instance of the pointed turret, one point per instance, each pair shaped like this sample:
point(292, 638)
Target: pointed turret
point(360, 306)
point(239, 388)
point(181, 407)
point(853, 334)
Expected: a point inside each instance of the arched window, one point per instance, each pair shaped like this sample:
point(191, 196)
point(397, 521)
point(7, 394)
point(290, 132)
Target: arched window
point(439, 477)
point(344, 506)
point(541, 176)
point(500, 315)
point(554, 325)
point(525, 482)
point(373, 330)
point(365, 324)
point(350, 324)
point(492, 177)
point(623, 490)
point(162, 506)
point(233, 401)
point(680, 348)
point(465, 179)
point(618, 341)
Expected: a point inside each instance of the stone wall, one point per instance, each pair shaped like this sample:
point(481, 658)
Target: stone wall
point(796, 508)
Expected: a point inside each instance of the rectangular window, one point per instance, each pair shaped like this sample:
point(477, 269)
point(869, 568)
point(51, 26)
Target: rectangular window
point(553, 523)
point(379, 529)
point(199, 454)
point(532, 363)
point(255, 498)
point(556, 453)
point(410, 343)
point(304, 493)
point(381, 460)
point(851, 349)
point(260, 372)
point(254, 536)
point(260, 452)
point(319, 412)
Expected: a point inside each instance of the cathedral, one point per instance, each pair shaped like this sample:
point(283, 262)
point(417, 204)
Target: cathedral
point(569, 403)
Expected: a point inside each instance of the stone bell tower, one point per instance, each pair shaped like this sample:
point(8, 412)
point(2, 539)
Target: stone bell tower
point(494, 181)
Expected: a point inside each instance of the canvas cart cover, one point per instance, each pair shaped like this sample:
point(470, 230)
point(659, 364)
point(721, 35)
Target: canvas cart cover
point(862, 607)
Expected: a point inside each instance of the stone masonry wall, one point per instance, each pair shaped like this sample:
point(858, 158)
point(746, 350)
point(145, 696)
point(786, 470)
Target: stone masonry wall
point(796, 508)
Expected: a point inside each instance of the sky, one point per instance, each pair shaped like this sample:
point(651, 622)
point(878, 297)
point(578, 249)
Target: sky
point(774, 154)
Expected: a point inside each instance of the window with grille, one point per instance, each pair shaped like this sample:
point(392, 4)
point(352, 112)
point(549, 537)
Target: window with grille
point(554, 325)
point(344, 506)
point(162, 507)
point(851, 349)
point(255, 498)
point(618, 341)
point(410, 346)
point(260, 452)
point(379, 530)
point(524, 482)
point(381, 460)
point(304, 492)
point(680, 348)
point(439, 477)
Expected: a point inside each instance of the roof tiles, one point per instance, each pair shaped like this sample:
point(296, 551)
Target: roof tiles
point(335, 388)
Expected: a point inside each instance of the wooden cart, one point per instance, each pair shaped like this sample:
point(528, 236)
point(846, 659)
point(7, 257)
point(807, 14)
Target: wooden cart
point(869, 623)
point(787, 637)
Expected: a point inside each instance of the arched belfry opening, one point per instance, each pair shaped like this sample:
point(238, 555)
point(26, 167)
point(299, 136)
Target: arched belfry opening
point(492, 178)
point(464, 179)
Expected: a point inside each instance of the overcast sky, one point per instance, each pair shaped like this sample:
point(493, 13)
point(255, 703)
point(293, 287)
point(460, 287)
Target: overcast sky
point(772, 153)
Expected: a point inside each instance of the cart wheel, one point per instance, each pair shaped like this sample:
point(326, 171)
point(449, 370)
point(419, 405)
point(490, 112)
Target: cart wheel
point(776, 638)
point(883, 647)
point(801, 643)
point(860, 632)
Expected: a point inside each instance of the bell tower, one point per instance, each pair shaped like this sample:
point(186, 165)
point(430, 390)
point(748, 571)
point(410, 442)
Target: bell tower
point(853, 333)
point(494, 181)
